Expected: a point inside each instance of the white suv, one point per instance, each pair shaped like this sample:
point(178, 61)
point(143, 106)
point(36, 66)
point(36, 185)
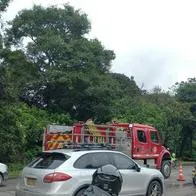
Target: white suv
point(3, 173)
point(69, 172)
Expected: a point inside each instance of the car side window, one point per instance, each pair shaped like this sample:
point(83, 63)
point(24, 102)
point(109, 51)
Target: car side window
point(154, 137)
point(141, 136)
point(122, 161)
point(48, 160)
point(92, 160)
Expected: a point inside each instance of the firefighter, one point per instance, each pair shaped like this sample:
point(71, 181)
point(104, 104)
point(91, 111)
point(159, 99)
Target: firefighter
point(173, 160)
point(107, 181)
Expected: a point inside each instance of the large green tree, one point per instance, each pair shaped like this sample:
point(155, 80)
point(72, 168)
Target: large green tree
point(186, 93)
point(69, 66)
point(57, 39)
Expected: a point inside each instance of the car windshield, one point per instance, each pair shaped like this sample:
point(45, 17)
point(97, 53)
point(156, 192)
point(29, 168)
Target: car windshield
point(48, 160)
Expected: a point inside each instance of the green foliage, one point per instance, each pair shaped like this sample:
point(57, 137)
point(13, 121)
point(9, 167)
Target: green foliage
point(66, 22)
point(127, 86)
point(68, 65)
point(15, 169)
point(175, 113)
point(3, 5)
point(137, 110)
point(15, 73)
point(52, 33)
point(91, 94)
point(21, 130)
point(186, 91)
point(57, 39)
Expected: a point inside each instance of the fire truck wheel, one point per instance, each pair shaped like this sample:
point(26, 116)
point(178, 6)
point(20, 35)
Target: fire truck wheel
point(166, 168)
point(154, 189)
point(194, 180)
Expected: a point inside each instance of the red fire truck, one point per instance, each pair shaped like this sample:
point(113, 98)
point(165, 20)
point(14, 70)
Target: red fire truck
point(141, 142)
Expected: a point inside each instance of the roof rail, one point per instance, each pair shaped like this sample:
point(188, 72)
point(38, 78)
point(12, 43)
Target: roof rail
point(88, 146)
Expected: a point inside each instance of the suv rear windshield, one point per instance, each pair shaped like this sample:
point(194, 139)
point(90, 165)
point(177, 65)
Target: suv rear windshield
point(48, 160)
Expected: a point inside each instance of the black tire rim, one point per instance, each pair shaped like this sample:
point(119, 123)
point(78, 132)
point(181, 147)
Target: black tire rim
point(155, 190)
point(166, 170)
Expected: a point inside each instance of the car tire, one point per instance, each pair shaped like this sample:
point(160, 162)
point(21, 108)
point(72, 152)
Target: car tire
point(194, 180)
point(154, 189)
point(80, 192)
point(166, 169)
point(1, 179)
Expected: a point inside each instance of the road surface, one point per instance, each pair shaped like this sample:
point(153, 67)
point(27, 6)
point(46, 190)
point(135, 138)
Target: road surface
point(184, 191)
point(188, 190)
point(173, 187)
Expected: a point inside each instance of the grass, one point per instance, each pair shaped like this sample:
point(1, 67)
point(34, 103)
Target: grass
point(14, 174)
point(14, 170)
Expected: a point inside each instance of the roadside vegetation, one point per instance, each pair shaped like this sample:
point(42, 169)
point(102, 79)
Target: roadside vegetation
point(51, 72)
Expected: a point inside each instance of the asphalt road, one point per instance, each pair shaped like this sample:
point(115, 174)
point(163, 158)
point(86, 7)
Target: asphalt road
point(182, 191)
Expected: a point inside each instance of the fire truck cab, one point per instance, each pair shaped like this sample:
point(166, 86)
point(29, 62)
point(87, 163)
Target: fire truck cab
point(141, 142)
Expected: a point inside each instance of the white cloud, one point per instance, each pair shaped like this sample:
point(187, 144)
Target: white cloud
point(154, 40)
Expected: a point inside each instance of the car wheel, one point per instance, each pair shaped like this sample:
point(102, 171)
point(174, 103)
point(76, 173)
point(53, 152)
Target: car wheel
point(194, 180)
point(154, 189)
point(166, 169)
point(1, 179)
point(80, 192)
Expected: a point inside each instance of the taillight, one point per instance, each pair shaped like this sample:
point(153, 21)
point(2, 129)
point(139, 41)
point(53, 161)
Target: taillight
point(56, 177)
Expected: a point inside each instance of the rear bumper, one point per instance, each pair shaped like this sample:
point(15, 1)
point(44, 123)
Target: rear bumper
point(28, 193)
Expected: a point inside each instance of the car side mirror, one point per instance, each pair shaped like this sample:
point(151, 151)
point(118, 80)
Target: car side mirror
point(137, 168)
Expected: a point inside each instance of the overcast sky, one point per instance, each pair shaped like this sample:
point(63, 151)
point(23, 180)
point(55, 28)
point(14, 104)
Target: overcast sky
point(154, 40)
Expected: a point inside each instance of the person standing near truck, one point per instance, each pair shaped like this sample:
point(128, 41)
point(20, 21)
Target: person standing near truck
point(173, 160)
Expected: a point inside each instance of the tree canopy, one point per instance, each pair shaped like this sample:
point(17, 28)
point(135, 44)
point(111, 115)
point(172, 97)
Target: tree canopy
point(56, 39)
